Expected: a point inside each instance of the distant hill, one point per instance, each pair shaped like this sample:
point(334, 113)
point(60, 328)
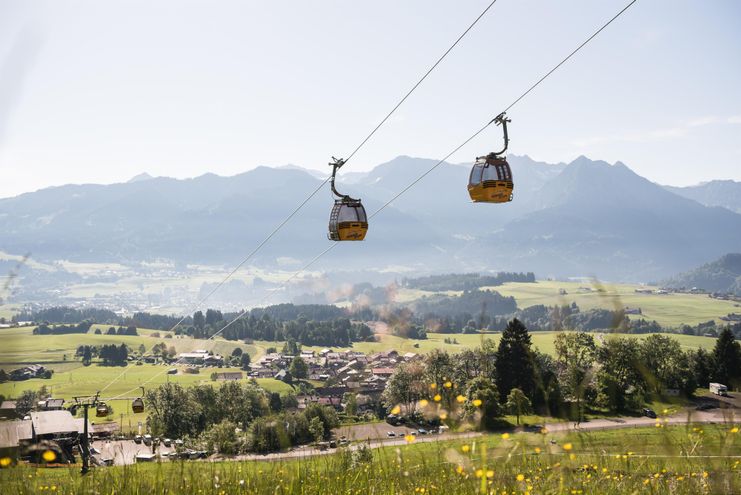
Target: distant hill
point(725, 193)
point(722, 275)
point(585, 218)
point(607, 221)
point(141, 177)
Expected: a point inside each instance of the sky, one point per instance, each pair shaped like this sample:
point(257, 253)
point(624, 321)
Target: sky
point(100, 91)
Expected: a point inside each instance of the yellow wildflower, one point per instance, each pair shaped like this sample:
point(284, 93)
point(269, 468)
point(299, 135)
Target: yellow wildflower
point(477, 402)
point(5, 461)
point(567, 446)
point(423, 403)
point(409, 438)
point(465, 448)
point(437, 398)
point(447, 385)
point(49, 456)
point(460, 399)
point(520, 477)
point(396, 410)
point(505, 436)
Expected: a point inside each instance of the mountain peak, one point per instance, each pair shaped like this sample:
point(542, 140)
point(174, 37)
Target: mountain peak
point(140, 178)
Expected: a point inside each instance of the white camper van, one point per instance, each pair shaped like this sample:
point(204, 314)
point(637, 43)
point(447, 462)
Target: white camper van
point(718, 389)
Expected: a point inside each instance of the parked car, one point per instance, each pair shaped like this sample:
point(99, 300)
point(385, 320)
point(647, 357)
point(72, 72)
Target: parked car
point(649, 412)
point(167, 442)
point(147, 439)
point(391, 433)
point(422, 431)
point(704, 406)
point(138, 439)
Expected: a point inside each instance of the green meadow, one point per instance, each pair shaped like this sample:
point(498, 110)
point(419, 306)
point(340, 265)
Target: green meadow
point(542, 340)
point(671, 310)
point(669, 460)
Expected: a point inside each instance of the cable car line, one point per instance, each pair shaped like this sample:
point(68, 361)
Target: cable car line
point(427, 172)
point(523, 95)
point(243, 313)
point(429, 71)
point(501, 114)
point(355, 206)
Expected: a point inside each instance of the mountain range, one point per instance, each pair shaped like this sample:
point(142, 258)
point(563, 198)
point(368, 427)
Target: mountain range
point(725, 193)
point(584, 218)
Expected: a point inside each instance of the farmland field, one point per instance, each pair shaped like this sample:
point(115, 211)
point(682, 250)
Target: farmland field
point(542, 340)
point(21, 346)
point(671, 310)
point(668, 309)
point(87, 380)
point(672, 460)
point(7, 311)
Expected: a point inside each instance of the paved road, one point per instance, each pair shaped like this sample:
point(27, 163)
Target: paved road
point(124, 452)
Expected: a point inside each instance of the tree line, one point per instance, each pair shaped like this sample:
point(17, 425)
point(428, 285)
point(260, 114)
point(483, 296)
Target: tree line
point(109, 354)
point(340, 332)
point(235, 417)
point(465, 281)
point(616, 375)
point(46, 329)
point(65, 314)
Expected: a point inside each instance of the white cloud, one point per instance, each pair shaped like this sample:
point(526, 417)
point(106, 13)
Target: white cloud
point(703, 121)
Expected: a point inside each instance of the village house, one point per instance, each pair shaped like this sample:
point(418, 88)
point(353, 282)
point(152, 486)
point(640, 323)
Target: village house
point(27, 372)
point(50, 404)
point(200, 357)
point(229, 376)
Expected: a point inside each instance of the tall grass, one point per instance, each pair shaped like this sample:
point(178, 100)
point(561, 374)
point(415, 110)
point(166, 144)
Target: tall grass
point(660, 460)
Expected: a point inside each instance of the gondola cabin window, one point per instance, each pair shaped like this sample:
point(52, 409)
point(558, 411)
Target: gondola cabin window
point(476, 172)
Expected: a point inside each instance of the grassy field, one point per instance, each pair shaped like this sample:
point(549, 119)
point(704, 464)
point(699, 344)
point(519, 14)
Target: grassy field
point(671, 460)
point(542, 340)
point(87, 380)
point(7, 311)
point(670, 310)
point(71, 378)
point(21, 346)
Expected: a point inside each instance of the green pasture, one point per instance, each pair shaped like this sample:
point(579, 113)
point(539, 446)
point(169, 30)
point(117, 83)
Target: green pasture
point(542, 340)
point(20, 346)
point(7, 311)
point(670, 310)
point(673, 460)
point(87, 380)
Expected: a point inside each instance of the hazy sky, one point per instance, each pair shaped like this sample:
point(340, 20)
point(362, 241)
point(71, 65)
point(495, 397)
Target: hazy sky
point(99, 91)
